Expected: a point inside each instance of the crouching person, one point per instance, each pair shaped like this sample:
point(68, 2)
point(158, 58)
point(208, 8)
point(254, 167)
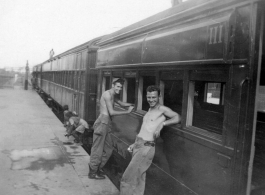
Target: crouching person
point(76, 127)
point(65, 115)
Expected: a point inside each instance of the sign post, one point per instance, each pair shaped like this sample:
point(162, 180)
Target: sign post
point(26, 77)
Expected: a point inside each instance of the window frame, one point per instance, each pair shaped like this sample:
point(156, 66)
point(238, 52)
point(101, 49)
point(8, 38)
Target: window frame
point(170, 75)
point(127, 74)
point(140, 90)
point(213, 75)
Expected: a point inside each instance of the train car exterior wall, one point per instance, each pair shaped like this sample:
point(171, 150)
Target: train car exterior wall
point(203, 61)
point(64, 80)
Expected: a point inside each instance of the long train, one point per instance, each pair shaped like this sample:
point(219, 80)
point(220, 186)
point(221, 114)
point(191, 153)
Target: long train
point(207, 57)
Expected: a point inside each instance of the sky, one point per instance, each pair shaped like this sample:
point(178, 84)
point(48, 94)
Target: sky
point(30, 29)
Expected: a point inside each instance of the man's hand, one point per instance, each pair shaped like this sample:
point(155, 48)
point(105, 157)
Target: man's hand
point(130, 149)
point(158, 130)
point(130, 109)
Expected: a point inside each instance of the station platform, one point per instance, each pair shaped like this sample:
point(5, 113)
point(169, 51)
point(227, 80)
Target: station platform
point(35, 156)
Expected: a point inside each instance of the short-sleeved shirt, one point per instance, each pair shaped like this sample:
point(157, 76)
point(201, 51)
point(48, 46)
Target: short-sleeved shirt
point(79, 124)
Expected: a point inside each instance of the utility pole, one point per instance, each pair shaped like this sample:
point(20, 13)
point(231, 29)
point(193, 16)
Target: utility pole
point(26, 77)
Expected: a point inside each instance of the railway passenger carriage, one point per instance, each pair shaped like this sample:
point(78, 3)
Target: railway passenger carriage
point(36, 75)
point(63, 79)
point(207, 57)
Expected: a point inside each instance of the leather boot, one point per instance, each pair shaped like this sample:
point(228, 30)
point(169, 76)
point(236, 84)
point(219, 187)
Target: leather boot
point(101, 172)
point(95, 175)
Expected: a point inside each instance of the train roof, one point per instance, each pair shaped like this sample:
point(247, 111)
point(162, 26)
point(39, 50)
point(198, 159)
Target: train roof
point(176, 13)
point(179, 35)
point(90, 43)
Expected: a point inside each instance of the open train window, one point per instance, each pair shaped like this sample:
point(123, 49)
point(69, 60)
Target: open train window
point(206, 105)
point(106, 83)
point(118, 96)
point(129, 90)
point(144, 82)
point(171, 86)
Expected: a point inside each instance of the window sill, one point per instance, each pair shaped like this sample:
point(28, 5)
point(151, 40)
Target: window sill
point(136, 112)
point(204, 133)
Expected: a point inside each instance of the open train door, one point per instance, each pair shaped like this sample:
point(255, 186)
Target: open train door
point(256, 169)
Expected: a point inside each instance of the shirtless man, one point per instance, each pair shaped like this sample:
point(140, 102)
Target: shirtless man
point(101, 149)
point(158, 116)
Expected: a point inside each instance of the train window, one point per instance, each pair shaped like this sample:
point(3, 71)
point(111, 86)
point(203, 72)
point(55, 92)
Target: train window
point(52, 76)
point(72, 79)
point(78, 80)
point(61, 78)
point(111, 85)
point(69, 79)
point(82, 81)
point(144, 82)
point(206, 105)
point(64, 79)
point(171, 94)
point(106, 83)
point(76, 76)
point(129, 90)
point(75, 73)
point(213, 93)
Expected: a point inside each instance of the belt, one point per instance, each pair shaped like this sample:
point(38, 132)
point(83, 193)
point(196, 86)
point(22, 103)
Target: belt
point(149, 143)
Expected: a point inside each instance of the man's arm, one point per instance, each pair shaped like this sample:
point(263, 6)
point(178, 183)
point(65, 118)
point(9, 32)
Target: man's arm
point(124, 104)
point(174, 117)
point(112, 112)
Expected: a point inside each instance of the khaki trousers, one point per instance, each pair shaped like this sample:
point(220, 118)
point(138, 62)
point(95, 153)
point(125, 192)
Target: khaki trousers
point(102, 144)
point(133, 179)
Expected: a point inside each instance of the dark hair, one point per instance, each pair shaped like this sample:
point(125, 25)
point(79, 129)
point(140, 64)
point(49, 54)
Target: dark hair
point(152, 88)
point(121, 81)
point(65, 107)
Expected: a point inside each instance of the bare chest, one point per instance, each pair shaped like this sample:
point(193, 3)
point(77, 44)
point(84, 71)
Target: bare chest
point(153, 116)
